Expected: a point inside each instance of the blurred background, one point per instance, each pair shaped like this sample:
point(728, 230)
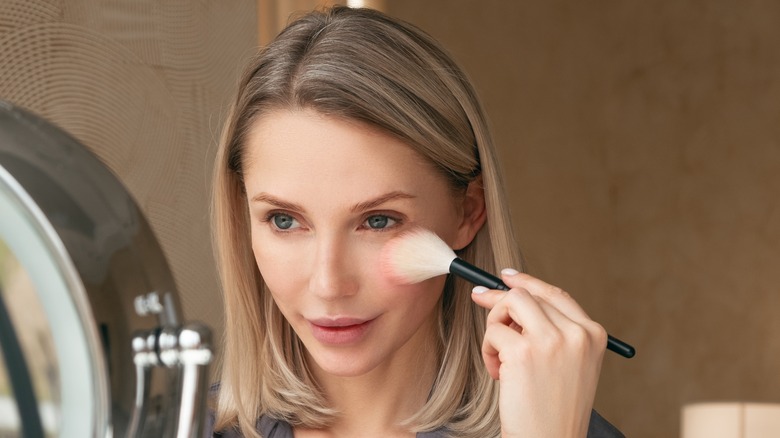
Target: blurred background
point(641, 143)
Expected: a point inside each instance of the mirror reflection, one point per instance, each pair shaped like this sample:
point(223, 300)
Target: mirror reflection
point(28, 357)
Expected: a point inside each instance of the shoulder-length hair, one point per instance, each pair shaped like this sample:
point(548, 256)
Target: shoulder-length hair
point(356, 64)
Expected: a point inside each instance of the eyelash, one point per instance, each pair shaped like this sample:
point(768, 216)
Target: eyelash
point(269, 219)
point(398, 222)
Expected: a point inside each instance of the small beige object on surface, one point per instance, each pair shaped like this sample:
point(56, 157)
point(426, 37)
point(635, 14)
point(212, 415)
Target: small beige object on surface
point(731, 420)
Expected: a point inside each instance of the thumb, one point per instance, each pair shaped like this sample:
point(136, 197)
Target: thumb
point(485, 297)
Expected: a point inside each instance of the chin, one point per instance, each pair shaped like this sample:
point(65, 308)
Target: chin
point(343, 363)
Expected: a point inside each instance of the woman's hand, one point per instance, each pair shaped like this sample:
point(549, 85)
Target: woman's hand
point(546, 352)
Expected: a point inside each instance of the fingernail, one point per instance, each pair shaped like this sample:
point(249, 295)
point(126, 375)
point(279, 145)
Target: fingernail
point(479, 290)
point(509, 272)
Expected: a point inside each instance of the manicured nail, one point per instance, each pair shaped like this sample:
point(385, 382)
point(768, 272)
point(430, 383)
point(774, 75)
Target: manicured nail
point(479, 289)
point(509, 272)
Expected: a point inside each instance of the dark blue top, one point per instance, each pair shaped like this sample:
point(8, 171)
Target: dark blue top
point(271, 428)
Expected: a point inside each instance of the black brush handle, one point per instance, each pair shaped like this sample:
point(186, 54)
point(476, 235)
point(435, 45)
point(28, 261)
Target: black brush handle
point(467, 271)
point(471, 273)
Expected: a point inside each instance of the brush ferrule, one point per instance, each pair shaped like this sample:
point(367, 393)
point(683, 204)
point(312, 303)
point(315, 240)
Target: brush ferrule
point(469, 272)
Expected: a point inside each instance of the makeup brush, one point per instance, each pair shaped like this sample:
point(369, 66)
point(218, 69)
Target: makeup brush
point(420, 254)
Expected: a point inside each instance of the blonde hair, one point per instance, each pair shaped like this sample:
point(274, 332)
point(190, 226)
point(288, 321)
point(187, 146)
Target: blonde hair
point(361, 65)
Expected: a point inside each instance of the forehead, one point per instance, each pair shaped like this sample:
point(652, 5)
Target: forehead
point(297, 150)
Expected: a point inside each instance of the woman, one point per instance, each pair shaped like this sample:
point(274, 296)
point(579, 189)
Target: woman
point(349, 129)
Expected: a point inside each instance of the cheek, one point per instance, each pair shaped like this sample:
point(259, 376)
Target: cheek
point(415, 304)
point(428, 290)
point(279, 267)
point(373, 276)
point(411, 299)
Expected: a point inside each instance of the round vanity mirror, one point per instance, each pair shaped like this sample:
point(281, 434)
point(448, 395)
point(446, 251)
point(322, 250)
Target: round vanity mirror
point(90, 314)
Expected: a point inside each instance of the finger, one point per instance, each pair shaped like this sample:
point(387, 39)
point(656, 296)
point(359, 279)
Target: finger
point(554, 295)
point(485, 297)
point(555, 337)
point(520, 307)
point(500, 338)
point(517, 308)
point(573, 322)
point(538, 320)
point(534, 316)
point(563, 331)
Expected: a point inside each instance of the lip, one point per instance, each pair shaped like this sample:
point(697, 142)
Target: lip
point(340, 331)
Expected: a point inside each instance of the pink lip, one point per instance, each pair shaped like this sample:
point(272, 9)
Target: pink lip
point(340, 331)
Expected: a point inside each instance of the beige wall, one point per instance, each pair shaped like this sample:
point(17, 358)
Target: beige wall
point(642, 143)
point(145, 85)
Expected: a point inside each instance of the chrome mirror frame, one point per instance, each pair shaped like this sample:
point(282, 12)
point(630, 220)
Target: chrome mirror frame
point(128, 366)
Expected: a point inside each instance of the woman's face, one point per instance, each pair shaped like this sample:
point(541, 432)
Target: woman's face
point(324, 196)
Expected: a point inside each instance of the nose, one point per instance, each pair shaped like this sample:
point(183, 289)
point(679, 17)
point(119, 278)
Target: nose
point(333, 274)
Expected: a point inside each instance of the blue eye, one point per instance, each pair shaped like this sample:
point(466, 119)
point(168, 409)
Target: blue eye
point(283, 221)
point(380, 222)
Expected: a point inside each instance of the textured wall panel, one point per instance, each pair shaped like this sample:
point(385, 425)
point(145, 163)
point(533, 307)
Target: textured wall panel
point(145, 85)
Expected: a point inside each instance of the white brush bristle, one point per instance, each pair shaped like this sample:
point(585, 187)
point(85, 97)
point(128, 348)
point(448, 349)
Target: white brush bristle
point(416, 256)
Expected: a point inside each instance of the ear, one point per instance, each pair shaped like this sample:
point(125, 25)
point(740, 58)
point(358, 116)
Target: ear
point(474, 214)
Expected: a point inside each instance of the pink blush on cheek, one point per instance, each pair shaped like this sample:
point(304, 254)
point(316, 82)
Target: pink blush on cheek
point(423, 289)
point(387, 283)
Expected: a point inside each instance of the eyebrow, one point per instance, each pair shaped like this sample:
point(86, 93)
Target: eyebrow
point(360, 206)
point(265, 197)
point(376, 202)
